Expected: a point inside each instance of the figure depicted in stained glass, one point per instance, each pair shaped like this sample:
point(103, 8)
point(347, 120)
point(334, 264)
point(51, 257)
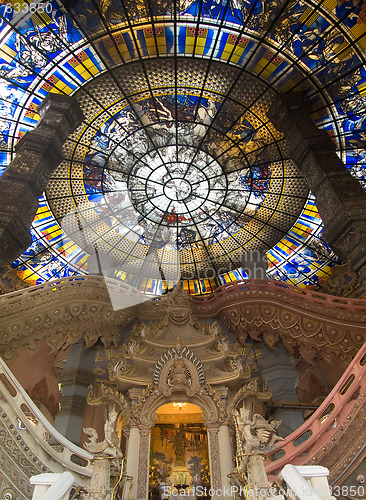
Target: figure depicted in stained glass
point(34, 48)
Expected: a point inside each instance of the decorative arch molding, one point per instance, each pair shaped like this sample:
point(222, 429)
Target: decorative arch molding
point(175, 353)
point(145, 413)
point(204, 399)
point(180, 377)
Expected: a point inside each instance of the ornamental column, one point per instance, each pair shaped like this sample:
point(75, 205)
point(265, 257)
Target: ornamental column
point(214, 459)
point(132, 459)
point(141, 483)
point(340, 198)
point(226, 456)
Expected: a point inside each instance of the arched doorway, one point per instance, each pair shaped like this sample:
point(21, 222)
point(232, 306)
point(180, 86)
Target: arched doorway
point(179, 457)
point(179, 377)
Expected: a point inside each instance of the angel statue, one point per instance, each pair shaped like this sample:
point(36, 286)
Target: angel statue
point(254, 438)
point(109, 446)
point(105, 451)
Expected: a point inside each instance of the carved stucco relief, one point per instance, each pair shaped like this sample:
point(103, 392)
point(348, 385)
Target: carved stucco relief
point(314, 336)
point(143, 467)
point(18, 461)
point(318, 324)
point(215, 465)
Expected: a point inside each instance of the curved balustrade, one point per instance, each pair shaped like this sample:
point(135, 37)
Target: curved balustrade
point(319, 325)
point(300, 446)
point(113, 285)
point(65, 454)
point(281, 289)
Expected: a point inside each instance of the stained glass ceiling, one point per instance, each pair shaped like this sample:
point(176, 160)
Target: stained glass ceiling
point(176, 170)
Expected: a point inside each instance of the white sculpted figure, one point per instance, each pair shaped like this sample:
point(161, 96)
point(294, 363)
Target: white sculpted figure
point(109, 446)
point(100, 484)
point(253, 439)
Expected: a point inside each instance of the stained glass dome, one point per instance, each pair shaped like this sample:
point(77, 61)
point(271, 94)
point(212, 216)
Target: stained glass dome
point(176, 171)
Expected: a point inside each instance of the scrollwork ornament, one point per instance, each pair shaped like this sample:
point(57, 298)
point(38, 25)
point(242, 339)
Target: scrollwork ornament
point(250, 388)
point(138, 406)
point(219, 404)
point(103, 394)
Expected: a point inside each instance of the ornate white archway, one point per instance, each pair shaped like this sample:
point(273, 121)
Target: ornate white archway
point(179, 376)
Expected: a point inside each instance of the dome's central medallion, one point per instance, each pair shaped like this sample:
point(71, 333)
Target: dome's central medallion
point(181, 185)
point(177, 189)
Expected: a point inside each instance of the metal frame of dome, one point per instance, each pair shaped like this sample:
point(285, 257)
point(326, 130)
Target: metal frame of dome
point(316, 47)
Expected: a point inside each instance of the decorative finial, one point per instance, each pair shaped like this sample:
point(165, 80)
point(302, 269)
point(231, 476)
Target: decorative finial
point(178, 344)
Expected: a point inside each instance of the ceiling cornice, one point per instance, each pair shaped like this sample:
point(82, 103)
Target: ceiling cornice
point(62, 312)
point(319, 325)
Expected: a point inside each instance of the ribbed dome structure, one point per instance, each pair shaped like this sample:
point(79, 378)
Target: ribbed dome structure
point(176, 171)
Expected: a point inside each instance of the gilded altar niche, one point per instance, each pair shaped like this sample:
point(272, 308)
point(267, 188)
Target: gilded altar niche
point(173, 443)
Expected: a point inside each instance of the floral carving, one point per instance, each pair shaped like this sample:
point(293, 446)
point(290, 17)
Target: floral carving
point(319, 325)
point(18, 461)
point(143, 467)
point(215, 464)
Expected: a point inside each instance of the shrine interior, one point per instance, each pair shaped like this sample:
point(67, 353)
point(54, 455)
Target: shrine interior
point(183, 249)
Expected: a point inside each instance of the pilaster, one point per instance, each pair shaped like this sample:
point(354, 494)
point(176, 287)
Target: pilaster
point(214, 458)
point(143, 464)
point(226, 456)
point(132, 454)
